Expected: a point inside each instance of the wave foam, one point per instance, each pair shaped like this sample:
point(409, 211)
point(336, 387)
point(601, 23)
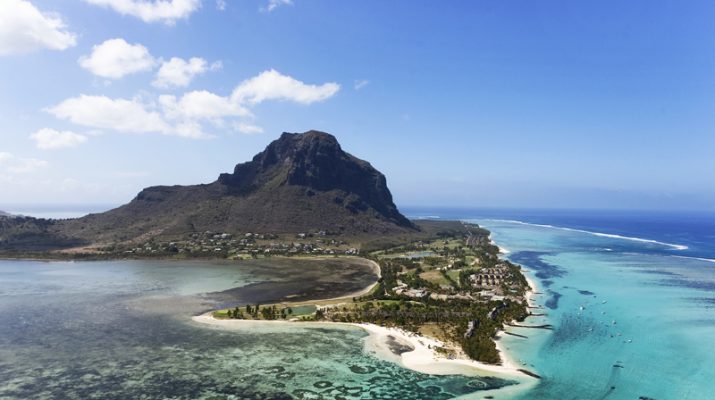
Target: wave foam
point(698, 258)
point(600, 234)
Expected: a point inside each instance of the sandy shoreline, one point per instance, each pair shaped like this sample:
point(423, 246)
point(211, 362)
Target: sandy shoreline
point(422, 359)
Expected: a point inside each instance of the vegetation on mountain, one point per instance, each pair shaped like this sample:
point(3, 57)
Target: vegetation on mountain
point(301, 183)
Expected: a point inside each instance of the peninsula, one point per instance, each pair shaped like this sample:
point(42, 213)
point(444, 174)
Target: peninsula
point(302, 197)
point(453, 291)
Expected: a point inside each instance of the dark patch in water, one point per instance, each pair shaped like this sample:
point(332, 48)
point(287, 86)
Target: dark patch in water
point(532, 259)
point(657, 272)
point(680, 282)
point(586, 292)
point(553, 301)
point(307, 394)
point(573, 328)
point(702, 300)
point(547, 282)
point(485, 382)
point(362, 369)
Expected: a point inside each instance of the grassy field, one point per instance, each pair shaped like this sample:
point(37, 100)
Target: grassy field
point(436, 277)
point(454, 274)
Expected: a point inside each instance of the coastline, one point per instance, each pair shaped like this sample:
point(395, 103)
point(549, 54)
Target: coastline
point(416, 352)
point(422, 358)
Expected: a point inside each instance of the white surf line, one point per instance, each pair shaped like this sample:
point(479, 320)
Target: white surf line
point(697, 258)
point(608, 235)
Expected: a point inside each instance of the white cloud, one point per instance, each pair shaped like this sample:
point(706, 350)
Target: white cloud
point(179, 72)
point(201, 105)
point(116, 58)
point(102, 112)
point(273, 4)
point(167, 11)
point(189, 130)
point(122, 115)
point(359, 84)
point(220, 5)
point(23, 28)
point(19, 165)
point(187, 115)
point(272, 85)
point(47, 139)
point(247, 128)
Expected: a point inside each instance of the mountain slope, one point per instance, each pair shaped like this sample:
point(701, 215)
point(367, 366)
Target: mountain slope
point(302, 182)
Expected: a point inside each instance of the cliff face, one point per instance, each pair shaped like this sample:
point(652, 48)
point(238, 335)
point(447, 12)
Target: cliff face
point(301, 182)
point(315, 161)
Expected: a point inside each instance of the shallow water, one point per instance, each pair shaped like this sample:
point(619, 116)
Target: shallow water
point(115, 330)
point(122, 329)
point(632, 319)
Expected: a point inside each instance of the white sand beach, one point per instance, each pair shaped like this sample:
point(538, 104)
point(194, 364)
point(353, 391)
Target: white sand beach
point(423, 358)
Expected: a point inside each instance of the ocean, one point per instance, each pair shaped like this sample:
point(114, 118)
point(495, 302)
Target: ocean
point(630, 297)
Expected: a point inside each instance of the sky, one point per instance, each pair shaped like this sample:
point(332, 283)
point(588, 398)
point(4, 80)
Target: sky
point(530, 104)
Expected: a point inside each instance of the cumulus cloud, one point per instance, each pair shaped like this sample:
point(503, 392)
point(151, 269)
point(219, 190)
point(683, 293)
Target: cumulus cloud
point(248, 129)
point(47, 139)
point(167, 11)
point(201, 104)
point(273, 4)
point(23, 28)
point(187, 115)
point(220, 5)
point(131, 116)
point(272, 85)
point(178, 72)
point(10, 163)
point(115, 58)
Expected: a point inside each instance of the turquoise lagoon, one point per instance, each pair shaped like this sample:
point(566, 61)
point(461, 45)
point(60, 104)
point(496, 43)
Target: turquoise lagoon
point(123, 330)
point(633, 317)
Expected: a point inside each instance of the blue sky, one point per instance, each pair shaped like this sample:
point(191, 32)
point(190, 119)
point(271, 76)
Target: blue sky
point(470, 104)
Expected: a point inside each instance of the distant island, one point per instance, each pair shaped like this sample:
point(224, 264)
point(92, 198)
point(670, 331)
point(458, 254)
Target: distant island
point(303, 196)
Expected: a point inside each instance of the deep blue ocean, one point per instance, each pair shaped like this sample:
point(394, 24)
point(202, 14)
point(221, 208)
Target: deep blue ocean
point(693, 229)
point(630, 297)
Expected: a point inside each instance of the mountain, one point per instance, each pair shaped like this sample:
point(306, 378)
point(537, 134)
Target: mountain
point(301, 182)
